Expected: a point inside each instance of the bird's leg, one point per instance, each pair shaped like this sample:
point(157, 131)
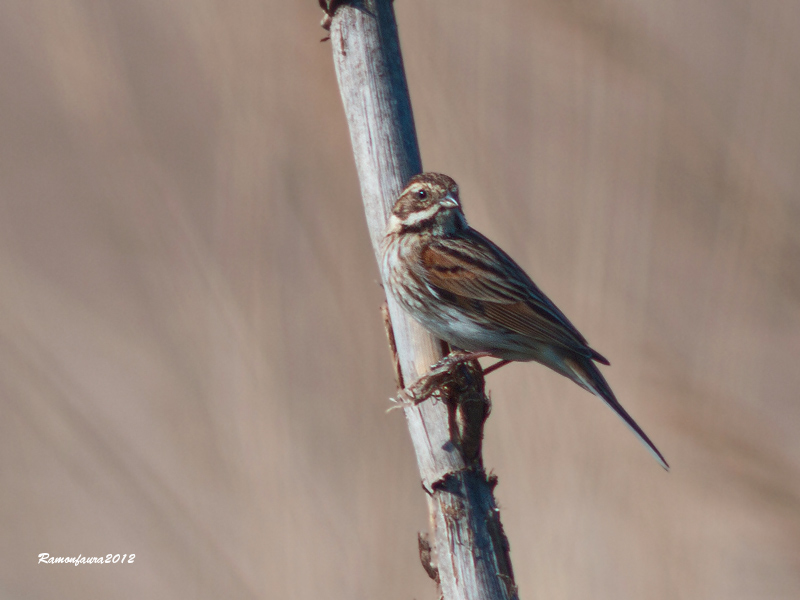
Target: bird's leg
point(495, 366)
point(437, 375)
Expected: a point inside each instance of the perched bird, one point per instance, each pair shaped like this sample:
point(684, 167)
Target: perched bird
point(468, 292)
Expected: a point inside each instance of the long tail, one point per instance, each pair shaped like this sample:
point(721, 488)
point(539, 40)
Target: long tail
point(584, 372)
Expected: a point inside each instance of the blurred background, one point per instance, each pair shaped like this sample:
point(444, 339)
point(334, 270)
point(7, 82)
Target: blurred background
point(193, 367)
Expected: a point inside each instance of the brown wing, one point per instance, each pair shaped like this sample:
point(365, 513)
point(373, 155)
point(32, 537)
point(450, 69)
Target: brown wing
point(475, 271)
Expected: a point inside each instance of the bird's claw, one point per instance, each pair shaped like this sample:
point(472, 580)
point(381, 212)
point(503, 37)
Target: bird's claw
point(432, 384)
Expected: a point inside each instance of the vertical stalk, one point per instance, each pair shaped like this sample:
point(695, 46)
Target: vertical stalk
point(471, 550)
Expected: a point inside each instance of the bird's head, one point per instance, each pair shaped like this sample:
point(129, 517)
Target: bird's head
point(430, 203)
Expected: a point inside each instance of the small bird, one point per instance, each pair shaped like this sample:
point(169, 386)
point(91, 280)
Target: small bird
point(468, 292)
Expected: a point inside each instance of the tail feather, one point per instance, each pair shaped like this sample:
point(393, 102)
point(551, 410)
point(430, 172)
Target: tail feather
point(588, 376)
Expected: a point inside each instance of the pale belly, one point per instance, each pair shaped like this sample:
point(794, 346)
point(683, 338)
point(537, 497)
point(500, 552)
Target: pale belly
point(456, 329)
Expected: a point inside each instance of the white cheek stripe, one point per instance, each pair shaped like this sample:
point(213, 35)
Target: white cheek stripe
point(423, 215)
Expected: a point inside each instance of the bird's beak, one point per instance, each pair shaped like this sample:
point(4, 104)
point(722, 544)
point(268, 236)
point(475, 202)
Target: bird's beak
point(449, 202)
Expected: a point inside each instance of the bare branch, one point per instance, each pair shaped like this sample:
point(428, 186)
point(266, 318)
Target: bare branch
point(469, 544)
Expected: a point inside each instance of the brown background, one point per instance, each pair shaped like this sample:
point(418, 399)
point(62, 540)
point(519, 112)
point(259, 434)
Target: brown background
point(192, 362)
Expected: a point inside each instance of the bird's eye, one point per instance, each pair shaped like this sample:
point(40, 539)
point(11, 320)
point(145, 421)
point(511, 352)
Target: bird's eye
point(422, 194)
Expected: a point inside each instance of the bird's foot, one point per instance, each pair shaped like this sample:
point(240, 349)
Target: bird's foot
point(432, 382)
